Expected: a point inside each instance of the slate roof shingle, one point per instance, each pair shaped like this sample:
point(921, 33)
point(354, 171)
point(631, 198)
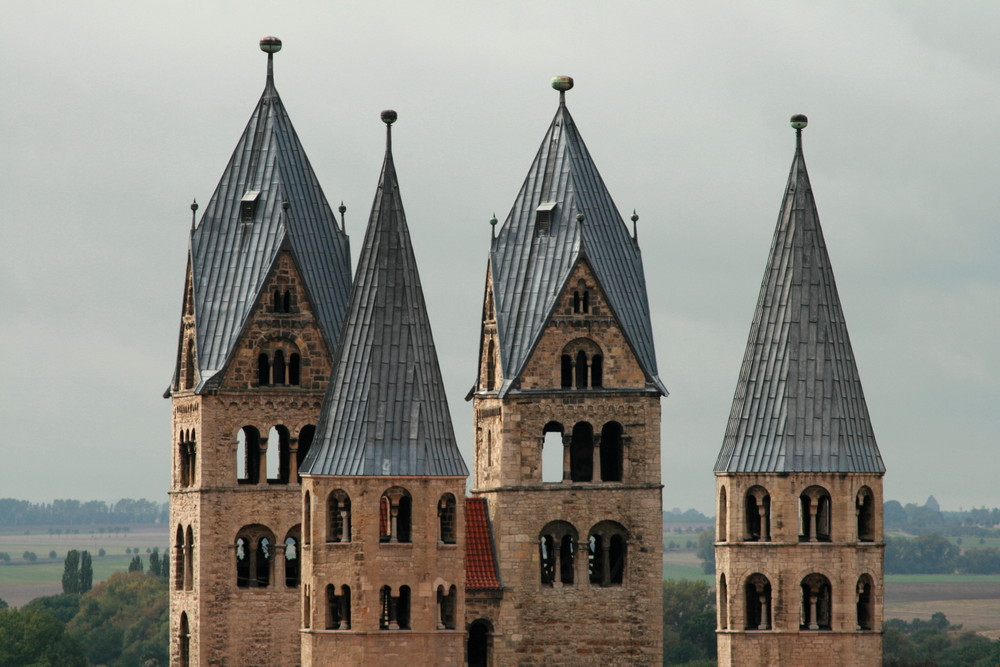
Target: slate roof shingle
point(385, 411)
point(799, 406)
point(231, 259)
point(481, 572)
point(530, 269)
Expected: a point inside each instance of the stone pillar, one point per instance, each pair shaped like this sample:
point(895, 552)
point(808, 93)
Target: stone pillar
point(596, 477)
point(566, 439)
point(293, 460)
point(813, 509)
point(813, 625)
point(345, 526)
point(765, 523)
point(262, 463)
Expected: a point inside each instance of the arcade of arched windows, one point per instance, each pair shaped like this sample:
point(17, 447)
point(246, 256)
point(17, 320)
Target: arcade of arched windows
point(262, 562)
point(605, 556)
point(183, 559)
point(279, 364)
point(586, 456)
point(186, 456)
point(274, 460)
point(815, 521)
point(814, 604)
point(581, 365)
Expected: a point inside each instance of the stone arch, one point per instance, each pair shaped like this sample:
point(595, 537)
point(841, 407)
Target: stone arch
point(184, 641)
point(757, 596)
point(723, 603)
point(557, 544)
point(279, 455)
point(395, 515)
point(816, 610)
point(293, 557)
point(338, 511)
point(814, 515)
point(607, 553)
point(577, 364)
point(865, 509)
point(757, 515)
point(254, 550)
point(479, 643)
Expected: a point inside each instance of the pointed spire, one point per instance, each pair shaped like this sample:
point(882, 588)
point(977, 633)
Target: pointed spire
point(799, 405)
point(386, 411)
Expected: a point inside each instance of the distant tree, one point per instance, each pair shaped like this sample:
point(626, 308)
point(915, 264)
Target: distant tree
point(33, 637)
point(71, 572)
point(3, 604)
point(154, 564)
point(893, 513)
point(128, 551)
point(102, 553)
point(4, 556)
point(706, 551)
point(30, 556)
point(63, 607)
point(688, 622)
point(53, 555)
point(136, 564)
point(86, 572)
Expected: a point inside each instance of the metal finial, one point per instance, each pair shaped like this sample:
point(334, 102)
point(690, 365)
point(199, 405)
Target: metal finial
point(285, 205)
point(799, 122)
point(270, 45)
point(343, 210)
point(579, 218)
point(493, 226)
point(635, 219)
point(194, 209)
point(389, 116)
point(562, 84)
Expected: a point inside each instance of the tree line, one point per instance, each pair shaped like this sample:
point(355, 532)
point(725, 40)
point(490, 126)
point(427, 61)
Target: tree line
point(15, 512)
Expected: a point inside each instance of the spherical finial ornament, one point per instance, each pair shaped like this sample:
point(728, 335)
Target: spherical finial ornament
point(285, 205)
point(493, 220)
point(799, 121)
point(579, 218)
point(635, 216)
point(562, 83)
point(194, 205)
point(342, 208)
point(270, 44)
point(389, 116)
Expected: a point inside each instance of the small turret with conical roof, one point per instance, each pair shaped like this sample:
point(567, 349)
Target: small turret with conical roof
point(799, 548)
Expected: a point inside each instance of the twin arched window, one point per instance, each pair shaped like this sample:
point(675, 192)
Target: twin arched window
point(339, 514)
point(395, 609)
point(395, 516)
point(256, 549)
point(814, 515)
point(607, 546)
point(277, 368)
point(186, 453)
point(279, 454)
point(281, 301)
point(338, 607)
point(584, 457)
point(815, 608)
point(184, 559)
point(556, 552)
point(582, 365)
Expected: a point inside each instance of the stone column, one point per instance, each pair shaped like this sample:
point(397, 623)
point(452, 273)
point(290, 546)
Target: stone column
point(596, 476)
point(566, 439)
point(813, 625)
point(813, 509)
point(765, 522)
point(763, 625)
point(262, 463)
point(345, 526)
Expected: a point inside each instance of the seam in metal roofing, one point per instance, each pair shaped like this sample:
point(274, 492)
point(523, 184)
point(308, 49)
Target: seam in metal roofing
point(232, 256)
point(530, 268)
point(799, 406)
point(385, 410)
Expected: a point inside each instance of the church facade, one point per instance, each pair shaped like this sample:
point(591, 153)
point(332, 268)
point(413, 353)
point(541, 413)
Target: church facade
point(319, 512)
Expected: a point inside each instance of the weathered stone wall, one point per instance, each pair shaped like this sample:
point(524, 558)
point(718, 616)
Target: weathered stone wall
point(366, 564)
point(786, 560)
point(228, 624)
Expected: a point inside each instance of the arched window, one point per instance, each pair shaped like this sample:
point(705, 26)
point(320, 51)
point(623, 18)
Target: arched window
point(597, 371)
point(307, 519)
point(188, 452)
point(179, 559)
point(184, 641)
point(553, 453)
point(338, 608)
point(447, 528)
point(581, 453)
point(248, 455)
point(612, 452)
point(446, 601)
point(189, 560)
point(723, 603)
point(263, 560)
point(338, 508)
point(814, 515)
point(479, 643)
point(866, 603)
point(490, 367)
point(306, 436)
point(608, 547)
point(276, 302)
point(189, 366)
point(816, 597)
point(865, 508)
point(723, 512)
point(395, 610)
point(294, 369)
point(395, 515)
point(403, 608)
point(278, 368)
point(567, 371)
point(278, 455)
point(577, 302)
point(758, 602)
point(292, 559)
point(758, 515)
point(286, 302)
point(581, 370)
point(263, 369)
point(557, 552)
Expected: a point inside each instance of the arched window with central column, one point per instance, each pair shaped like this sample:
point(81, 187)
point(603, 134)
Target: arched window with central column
point(338, 510)
point(757, 515)
point(557, 552)
point(814, 515)
point(254, 550)
point(865, 508)
point(395, 515)
point(816, 603)
point(757, 593)
point(607, 557)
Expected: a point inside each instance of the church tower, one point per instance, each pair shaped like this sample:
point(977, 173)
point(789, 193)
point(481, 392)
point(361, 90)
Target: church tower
point(267, 284)
point(799, 545)
point(383, 493)
point(567, 416)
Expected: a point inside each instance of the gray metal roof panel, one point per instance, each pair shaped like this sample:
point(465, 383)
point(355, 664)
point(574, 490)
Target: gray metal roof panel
point(231, 259)
point(386, 411)
point(799, 405)
point(530, 270)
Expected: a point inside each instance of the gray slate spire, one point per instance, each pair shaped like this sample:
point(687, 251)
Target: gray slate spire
point(799, 406)
point(385, 411)
point(232, 254)
point(530, 266)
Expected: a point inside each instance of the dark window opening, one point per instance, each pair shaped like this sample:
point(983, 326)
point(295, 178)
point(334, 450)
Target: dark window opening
point(723, 603)
point(814, 515)
point(567, 371)
point(189, 366)
point(339, 511)
point(490, 367)
point(179, 559)
point(557, 554)
point(447, 519)
point(865, 603)
point(723, 514)
point(612, 452)
point(866, 515)
point(815, 603)
point(248, 455)
point(189, 560)
point(395, 516)
point(338, 608)
point(294, 369)
point(263, 563)
point(581, 370)
point(597, 371)
point(292, 570)
point(278, 368)
point(447, 603)
point(478, 648)
point(184, 642)
point(263, 370)
point(757, 512)
point(276, 302)
point(758, 602)
point(581, 453)
point(306, 436)
point(607, 554)
point(307, 518)
point(286, 302)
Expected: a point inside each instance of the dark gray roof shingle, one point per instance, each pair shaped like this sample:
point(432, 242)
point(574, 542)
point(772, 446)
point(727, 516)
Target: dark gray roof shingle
point(385, 411)
point(530, 269)
point(799, 406)
point(231, 259)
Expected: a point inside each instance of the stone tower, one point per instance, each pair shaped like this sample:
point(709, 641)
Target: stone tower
point(567, 365)
point(799, 544)
point(384, 484)
point(268, 278)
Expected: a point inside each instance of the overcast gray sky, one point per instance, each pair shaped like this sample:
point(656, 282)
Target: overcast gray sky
point(117, 114)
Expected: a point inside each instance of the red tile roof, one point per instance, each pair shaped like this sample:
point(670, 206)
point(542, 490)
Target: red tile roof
point(480, 558)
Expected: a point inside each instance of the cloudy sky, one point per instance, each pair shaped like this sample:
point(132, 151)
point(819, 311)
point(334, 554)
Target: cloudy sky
point(117, 114)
